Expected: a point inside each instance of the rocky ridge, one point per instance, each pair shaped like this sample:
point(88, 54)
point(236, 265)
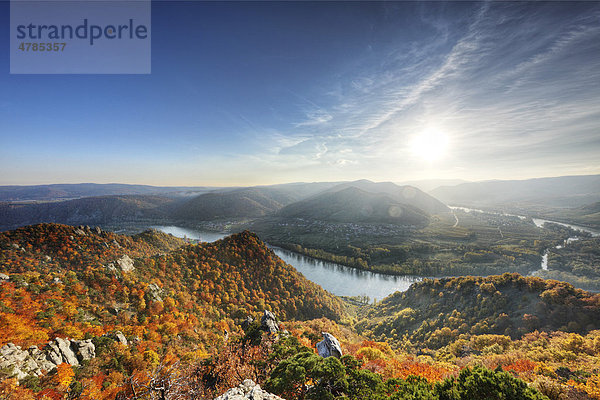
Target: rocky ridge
point(33, 361)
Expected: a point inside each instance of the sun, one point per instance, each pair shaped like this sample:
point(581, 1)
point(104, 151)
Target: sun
point(430, 145)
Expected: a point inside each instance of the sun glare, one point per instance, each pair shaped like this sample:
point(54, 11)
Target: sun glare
point(430, 145)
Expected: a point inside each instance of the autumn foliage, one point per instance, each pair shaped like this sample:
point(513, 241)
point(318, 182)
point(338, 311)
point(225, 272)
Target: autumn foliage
point(181, 308)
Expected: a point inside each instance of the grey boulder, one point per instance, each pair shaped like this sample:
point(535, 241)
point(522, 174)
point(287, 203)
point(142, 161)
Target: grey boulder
point(268, 322)
point(329, 346)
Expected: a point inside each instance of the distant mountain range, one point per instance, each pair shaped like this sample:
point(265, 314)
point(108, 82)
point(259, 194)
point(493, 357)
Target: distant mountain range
point(367, 202)
point(427, 185)
point(360, 201)
point(564, 191)
point(78, 190)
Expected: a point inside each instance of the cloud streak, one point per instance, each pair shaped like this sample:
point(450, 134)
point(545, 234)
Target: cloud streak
point(519, 88)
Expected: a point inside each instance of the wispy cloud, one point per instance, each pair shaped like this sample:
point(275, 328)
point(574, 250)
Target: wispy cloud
point(522, 82)
point(317, 117)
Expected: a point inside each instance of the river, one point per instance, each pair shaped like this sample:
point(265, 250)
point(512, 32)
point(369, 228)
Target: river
point(345, 281)
point(335, 278)
point(539, 222)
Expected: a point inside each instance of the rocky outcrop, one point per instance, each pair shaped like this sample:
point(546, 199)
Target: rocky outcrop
point(329, 346)
point(33, 361)
point(155, 292)
point(248, 390)
point(268, 322)
point(125, 263)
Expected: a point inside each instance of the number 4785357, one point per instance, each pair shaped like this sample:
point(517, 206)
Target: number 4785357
point(25, 46)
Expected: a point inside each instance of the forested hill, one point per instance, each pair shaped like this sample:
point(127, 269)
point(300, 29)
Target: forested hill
point(76, 282)
point(434, 313)
point(239, 203)
point(89, 210)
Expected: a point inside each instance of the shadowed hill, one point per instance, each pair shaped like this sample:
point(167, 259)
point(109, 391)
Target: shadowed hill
point(88, 211)
point(238, 203)
point(56, 246)
point(403, 194)
point(355, 205)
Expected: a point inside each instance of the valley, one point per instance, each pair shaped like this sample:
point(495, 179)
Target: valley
point(171, 288)
point(376, 227)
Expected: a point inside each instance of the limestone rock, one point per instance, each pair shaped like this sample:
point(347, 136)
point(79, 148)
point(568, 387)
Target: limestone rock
point(85, 349)
point(68, 355)
point(125, 263)
point(329, 346)
point(12, 353)
point(4, 277)
point(14, 358)
point(33, 361)
point(268, 322)
point(155, 292)
point(41, 359)
point(248, 390)
point(53, 353)
point(120, 337)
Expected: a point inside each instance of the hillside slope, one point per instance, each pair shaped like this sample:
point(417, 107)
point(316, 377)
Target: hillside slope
point(356, 206)
point(107, 276)
point(238, 203)
point(137, 300)
point(87, 211)
point(408, 195)
point(434, 313)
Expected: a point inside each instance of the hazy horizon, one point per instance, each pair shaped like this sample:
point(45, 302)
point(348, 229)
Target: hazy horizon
point(399, 182)
point(260, 93)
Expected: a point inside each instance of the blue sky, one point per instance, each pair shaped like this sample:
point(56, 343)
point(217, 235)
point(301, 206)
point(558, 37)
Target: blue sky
point(271, 92)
